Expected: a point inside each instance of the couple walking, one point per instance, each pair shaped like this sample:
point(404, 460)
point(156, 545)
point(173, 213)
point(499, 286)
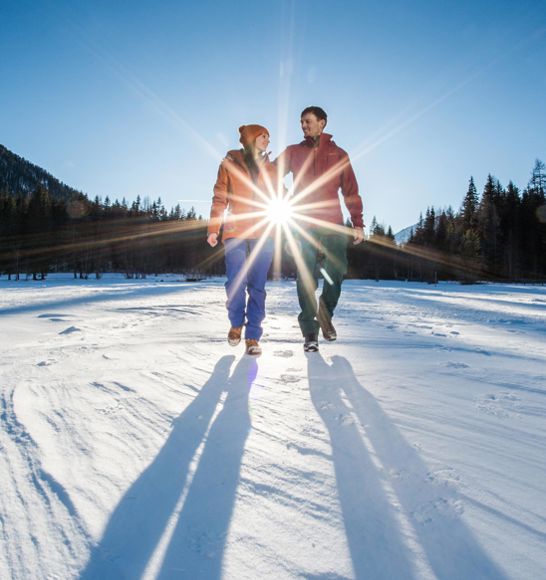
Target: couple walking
point(320, 169)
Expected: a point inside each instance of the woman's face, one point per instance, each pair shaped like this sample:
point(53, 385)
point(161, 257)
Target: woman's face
point(262, 141)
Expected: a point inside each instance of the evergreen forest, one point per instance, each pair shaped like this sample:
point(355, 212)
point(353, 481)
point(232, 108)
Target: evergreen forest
point(46, 226)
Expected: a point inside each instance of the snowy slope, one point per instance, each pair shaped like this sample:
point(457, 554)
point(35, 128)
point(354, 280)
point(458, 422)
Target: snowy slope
point(404, 235)
point(135, 442)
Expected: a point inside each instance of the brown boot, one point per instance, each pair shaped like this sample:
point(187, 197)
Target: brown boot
point(325, 321)
point(234, 335)
point(253, 347)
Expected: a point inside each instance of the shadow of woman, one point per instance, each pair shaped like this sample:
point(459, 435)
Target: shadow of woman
point(140, 518)
point(450, 547)
point(197, 546)
point(373, 532)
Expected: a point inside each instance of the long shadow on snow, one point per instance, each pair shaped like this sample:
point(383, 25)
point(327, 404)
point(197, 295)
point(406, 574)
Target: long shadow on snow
point(374, 536)
point(197, 546)
point(139, 521)
point(450, 547)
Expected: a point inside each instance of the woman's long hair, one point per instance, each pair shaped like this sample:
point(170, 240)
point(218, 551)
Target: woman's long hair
point(249, 152)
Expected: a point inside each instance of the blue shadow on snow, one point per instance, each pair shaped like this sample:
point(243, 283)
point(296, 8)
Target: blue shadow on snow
point(382, 495)
point(140, 519)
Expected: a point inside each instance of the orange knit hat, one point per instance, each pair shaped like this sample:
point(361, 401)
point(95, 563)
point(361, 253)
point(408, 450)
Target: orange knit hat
point(250, 132)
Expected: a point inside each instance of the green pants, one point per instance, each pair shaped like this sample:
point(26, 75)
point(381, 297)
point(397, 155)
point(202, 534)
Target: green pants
point(326, 256)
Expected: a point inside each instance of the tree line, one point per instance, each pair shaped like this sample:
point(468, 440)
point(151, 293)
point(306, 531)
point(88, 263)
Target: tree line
point(42, 234)
point(498, 235)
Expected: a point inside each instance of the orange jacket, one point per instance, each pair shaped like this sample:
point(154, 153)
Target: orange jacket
point(319, 173)
point(235, 190)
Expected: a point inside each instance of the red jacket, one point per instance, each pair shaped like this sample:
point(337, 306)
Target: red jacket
point(319, 173)
point(234, 191)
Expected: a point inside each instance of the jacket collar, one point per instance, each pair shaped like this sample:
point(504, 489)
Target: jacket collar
point(323, 139)
point(237, 156)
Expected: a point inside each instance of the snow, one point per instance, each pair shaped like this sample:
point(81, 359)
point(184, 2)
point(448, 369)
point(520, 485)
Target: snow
point(403, 236)
point(136, 443)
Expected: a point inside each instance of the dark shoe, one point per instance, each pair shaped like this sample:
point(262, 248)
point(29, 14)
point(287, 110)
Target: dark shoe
point(234, 335)
point(253, 347)
point(311, 343)
point(325, 321)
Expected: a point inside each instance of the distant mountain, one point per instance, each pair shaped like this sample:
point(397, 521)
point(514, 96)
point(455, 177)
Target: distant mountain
point(403, 236)
point(19, 176)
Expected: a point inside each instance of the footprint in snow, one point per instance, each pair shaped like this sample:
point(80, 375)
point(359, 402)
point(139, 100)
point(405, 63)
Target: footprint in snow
point(456, 365)
point(396, 473)
point(46, 363)
point(111, 409)
point(447, 477)
point(54, 317)
point(345, 419)
point(290, 378)
point(284, 353)
point(481, 351)
point(438, 508)
point(70, 330)
point(502, 405)
point(206, 544)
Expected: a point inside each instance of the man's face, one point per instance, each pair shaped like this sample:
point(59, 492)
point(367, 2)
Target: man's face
point(311, 126)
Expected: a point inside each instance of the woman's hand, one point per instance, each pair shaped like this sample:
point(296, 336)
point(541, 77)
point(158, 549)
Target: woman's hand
point(212, 240)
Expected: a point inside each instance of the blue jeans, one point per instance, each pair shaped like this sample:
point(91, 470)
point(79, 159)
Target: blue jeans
point(246, 270)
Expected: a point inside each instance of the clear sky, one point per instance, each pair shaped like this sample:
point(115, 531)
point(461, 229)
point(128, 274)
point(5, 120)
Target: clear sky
point(127, 98)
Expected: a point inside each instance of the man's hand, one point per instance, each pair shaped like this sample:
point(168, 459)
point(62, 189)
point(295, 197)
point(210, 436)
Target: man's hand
point(212, 240)
point(358, 235)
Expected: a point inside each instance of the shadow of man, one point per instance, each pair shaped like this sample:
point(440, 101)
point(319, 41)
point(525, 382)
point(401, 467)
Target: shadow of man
point(140, 518)
point(197, 546)
point(433, 512)
point(372, 530)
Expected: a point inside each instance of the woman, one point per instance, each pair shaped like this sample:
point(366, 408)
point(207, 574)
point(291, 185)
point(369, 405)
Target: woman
point(244, 184)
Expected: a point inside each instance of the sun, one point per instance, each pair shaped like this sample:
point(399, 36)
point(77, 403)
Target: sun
point(279, 210)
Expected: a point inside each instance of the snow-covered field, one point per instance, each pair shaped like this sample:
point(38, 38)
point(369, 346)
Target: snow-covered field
point(136, 443)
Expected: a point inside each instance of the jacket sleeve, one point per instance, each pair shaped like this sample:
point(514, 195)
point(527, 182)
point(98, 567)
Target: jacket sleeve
point(349, 189)
point(282, 163)
point(219, 199)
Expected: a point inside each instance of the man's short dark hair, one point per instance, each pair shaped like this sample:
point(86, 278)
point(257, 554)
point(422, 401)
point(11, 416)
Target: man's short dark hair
point(319, 113)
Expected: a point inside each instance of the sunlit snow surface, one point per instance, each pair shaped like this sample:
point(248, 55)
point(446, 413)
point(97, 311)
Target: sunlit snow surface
point(135, 442)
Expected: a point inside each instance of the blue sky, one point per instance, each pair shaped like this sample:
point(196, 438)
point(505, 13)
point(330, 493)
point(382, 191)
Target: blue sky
point(124, 98)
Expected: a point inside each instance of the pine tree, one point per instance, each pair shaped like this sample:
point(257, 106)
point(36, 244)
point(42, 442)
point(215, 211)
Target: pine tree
point(533, 223)
point(470, 207)
point(440, 237)
point(429, 227)
point(390, 234)
point(538, 178)
point(488, 225)
point(509, 225)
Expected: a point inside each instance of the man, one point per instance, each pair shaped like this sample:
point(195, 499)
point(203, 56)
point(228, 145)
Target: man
point(320, 169)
